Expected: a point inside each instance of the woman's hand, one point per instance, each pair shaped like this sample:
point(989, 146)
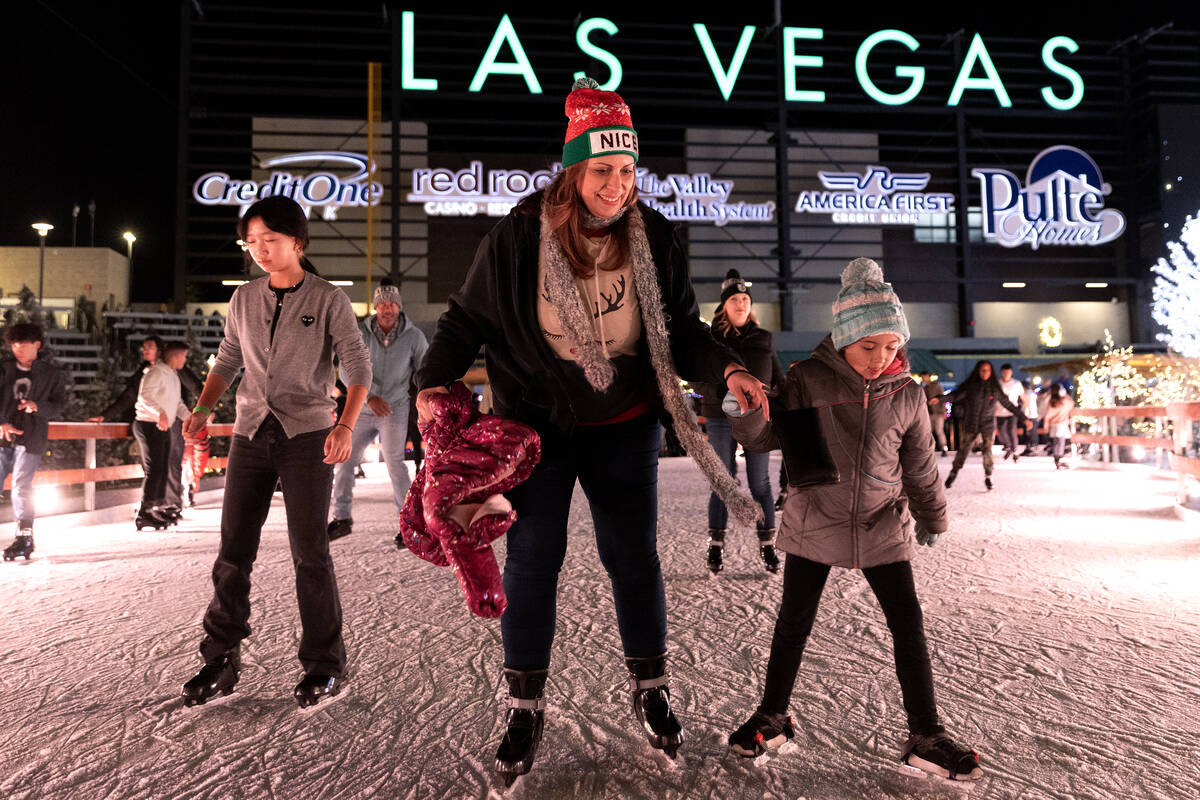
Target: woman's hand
point(424, 410)
point(195, 423)
point(337, 444)
point(748, 391)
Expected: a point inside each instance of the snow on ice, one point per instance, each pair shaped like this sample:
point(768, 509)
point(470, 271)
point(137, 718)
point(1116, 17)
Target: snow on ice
point(1062, 609)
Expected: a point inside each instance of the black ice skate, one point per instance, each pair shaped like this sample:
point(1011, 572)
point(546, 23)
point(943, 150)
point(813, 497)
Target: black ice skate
point(171, 514)
point(339, 527)
point(716, 550)
point(941, 756)
point(21, 547)
point(766, 541)
point(150, 518)
point(760, 733)
point(313, 688)
point(218, 676)
point(950, 478)
point(652, 703)
point(987, 481)
point(526, 716)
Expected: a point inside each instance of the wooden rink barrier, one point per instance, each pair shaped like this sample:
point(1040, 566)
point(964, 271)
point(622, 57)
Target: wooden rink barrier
point(1174, 448)
point(89, 475)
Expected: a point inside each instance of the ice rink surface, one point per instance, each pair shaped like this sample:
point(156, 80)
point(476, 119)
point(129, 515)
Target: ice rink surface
point(1062, 609)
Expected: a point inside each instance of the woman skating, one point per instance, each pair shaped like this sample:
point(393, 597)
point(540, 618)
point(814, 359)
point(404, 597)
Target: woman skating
point(736, 327)
point(582, 299)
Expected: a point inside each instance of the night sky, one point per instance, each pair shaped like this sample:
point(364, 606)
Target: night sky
point(90, 114)
point(90, 109)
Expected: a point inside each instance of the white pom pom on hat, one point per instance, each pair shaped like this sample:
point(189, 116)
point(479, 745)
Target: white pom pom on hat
point(862, 270)
point(866, 305)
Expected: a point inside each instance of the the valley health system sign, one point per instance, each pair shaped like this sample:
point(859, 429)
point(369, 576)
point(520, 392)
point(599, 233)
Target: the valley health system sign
point(471, 191)
point(876, 197)
point(1062, 202)
point(322, 189)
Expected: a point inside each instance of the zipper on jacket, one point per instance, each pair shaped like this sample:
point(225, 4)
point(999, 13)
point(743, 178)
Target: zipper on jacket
point(862, 439)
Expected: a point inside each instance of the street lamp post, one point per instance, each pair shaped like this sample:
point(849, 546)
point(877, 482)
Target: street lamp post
point(42, 228)
point(129, 240)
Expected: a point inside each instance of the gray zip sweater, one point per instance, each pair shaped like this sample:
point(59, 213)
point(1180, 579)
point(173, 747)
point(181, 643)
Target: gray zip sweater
point(291, 376)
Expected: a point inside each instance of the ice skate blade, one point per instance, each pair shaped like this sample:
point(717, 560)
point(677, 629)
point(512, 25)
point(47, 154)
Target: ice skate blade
point(941, 775)
point(311, 705)
point(220, 698)
point(781, 744)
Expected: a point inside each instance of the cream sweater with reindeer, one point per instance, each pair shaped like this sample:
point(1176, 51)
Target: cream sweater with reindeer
point(616, 318)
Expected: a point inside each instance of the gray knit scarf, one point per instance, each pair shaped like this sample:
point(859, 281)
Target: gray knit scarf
point(576, 324)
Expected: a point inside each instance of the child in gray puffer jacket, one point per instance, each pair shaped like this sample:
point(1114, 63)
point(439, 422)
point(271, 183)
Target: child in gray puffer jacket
point(873, 418)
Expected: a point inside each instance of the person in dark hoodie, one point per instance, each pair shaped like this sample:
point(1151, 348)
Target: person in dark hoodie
point(582, 298)
point(735, 326)
point(875, 421)
point(976, 400)
point(33, 391)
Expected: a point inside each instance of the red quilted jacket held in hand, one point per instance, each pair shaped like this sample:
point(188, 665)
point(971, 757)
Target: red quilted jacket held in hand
point(456, 506)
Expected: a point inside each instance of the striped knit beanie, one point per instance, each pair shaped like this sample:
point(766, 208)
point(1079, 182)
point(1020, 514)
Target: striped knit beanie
point(599, 124)
point(866, 305)
point(387, 293)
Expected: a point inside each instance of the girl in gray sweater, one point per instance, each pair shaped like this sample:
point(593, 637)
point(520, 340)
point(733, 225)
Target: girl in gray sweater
point(283, 330)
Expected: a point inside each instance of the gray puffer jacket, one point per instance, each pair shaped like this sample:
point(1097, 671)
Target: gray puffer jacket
point(878, 434)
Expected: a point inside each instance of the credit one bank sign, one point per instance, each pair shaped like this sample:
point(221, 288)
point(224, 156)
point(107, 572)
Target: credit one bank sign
point(505, 55)
point(323, 188)
point(696, 197)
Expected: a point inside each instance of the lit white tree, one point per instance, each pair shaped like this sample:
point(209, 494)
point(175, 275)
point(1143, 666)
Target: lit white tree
point(1177, 291)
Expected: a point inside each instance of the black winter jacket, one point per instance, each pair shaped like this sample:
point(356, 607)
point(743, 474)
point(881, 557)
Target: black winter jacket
point(497, 308)
point(755, 347)
point(976, 401)
point(48, 389)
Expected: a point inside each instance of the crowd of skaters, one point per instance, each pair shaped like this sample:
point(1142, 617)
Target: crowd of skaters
point(581, 297)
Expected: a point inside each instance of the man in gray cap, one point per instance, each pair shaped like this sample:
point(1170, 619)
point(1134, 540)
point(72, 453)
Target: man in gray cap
point(397, 347)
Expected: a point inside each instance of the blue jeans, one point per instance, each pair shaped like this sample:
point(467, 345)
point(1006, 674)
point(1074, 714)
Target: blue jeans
point(22, 464)
point(757, 475)
point(393, 435)
point(617, 467)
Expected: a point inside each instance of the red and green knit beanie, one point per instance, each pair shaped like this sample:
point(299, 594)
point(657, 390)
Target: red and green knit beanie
point(599, 124)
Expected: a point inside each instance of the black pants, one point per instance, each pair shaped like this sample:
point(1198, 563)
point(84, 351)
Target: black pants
point(1006, 432)
point(174, 495)
point(803, 582)
point(155, 447)
point(254, 465)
